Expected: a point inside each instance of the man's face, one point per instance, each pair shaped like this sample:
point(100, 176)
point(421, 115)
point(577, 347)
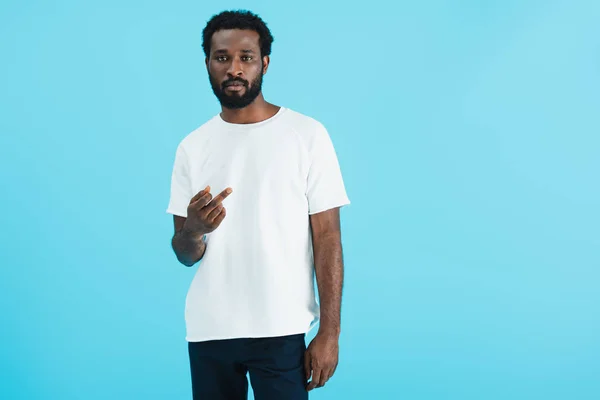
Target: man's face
point(235, 67)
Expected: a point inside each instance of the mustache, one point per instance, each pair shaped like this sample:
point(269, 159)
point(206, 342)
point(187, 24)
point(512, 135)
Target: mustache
point(232, 81)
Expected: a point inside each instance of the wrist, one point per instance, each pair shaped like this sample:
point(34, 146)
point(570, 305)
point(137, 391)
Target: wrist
point(192, 234)
point(333, 331)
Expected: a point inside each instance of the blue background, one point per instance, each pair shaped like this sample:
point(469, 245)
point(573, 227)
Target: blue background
point(469, 137)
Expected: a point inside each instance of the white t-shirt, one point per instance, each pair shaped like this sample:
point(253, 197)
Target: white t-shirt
point(256, 278)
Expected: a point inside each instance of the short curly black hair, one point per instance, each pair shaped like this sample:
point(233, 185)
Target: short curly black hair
point(238, 19)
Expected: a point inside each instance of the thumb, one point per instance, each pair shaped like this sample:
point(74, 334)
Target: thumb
point(307, 362)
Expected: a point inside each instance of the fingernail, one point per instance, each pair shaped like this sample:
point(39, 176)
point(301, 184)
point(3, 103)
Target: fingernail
point(229, 190)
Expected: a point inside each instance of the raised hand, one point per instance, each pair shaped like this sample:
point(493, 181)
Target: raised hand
point(205, 213)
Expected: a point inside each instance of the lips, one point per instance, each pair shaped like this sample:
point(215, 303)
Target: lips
point(234, 87)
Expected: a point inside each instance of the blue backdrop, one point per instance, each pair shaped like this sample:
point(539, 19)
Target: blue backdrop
point(468, 136)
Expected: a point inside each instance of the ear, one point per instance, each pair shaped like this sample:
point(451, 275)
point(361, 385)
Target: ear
point(206, 62)
point(266, 61)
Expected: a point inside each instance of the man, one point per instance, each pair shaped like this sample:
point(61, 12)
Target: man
point(271, 226)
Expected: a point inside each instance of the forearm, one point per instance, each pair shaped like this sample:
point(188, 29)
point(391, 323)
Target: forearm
point(329, 270)
point(189, 247)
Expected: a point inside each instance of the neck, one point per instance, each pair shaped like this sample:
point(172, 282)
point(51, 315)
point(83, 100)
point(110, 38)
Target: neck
point(259, 110)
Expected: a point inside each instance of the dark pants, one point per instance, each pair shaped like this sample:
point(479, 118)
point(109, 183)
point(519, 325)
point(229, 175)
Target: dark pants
point(275, 366)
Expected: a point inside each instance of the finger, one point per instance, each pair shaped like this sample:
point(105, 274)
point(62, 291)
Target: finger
point(332, 372)
point(218, 199)
point(202, 201)
point(307, 369)
point(200, 194)
point(323, 379)
point(219, 218)
point(214, 213)
point(316, 379)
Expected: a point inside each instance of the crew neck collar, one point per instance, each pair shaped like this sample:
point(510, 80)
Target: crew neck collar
point(252, 125)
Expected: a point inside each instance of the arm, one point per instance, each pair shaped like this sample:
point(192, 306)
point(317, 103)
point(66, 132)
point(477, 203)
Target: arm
point(188, 246)
point(321, 358)
point(327, 249)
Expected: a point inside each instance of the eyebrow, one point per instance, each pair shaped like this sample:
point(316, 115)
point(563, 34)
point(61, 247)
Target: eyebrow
point(224, 51)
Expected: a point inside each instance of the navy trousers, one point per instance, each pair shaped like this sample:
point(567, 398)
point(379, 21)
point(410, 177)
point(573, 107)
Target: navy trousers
point(275, 366)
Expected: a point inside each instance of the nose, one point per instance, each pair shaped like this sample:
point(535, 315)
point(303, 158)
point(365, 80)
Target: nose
point(235, 68)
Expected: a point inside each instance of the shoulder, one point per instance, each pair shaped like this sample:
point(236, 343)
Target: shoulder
point(195, 138)
point(306, 127)
point(302, 122)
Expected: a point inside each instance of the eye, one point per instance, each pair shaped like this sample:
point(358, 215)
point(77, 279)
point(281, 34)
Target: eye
point(221, 58)
point(246, 58)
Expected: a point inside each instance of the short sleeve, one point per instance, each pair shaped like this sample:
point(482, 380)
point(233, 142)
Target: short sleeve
point(180, 185)
point(325, 186)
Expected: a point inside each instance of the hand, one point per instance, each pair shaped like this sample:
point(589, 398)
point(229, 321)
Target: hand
point(321, 359)
point(205, 214)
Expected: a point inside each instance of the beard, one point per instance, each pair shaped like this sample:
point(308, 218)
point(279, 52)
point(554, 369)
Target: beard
point(236, 100)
